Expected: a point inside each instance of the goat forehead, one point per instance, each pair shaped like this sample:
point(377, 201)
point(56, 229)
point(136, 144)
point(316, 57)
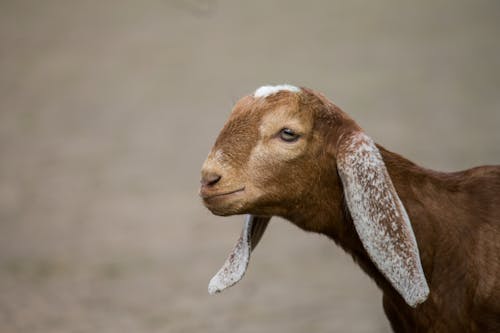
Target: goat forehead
point(285, 117)
point(263, 116)
point(244, 126)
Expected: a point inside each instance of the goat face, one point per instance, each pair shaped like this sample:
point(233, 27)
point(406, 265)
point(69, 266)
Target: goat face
point(264, 159)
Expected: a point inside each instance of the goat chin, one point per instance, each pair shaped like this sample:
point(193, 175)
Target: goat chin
point(411, 229)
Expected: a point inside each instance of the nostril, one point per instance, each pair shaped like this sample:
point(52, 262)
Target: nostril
point(210, 179)
point(213, 180)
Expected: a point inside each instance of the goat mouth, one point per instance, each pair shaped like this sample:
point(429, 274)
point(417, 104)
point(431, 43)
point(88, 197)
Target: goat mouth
point(207, 197)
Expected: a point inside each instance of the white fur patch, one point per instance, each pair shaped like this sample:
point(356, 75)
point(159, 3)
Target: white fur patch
point(380, 218)
point(265, 91)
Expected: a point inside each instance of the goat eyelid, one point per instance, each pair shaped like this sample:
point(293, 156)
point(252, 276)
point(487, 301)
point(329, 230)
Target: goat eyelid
point(288, 135)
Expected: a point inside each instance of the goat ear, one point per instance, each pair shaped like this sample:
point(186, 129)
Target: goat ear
point(236, 263)
point(379, 216)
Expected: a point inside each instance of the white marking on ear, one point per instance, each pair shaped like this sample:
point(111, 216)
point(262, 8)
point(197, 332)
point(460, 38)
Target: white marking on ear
point(379, 217)
point(236, 264)
point(265, 91)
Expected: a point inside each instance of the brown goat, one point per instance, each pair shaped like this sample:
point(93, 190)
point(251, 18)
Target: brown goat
point(290, 152)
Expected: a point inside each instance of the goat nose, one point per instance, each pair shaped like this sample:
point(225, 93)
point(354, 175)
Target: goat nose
point(210, 179)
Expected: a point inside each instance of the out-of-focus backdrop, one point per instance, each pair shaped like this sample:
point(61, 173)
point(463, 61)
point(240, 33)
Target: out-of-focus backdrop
point(108, 109)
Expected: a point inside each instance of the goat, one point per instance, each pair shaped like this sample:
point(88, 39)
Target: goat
point(430, 240)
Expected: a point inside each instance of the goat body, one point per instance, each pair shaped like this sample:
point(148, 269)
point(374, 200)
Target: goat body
point(290, 152)
point(456, 220)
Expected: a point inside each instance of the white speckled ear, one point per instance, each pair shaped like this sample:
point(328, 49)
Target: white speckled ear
point(236, 263)
point(379, 216)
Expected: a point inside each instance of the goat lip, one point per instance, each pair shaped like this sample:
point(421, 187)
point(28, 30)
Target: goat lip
point(208, 196)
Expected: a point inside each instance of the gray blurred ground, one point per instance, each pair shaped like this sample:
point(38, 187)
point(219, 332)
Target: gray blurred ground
point(108, 109)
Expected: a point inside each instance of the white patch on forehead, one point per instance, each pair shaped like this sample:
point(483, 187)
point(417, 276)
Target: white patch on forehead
point(265, 91)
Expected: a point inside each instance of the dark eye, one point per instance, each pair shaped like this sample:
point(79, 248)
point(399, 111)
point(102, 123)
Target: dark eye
point(288, 135)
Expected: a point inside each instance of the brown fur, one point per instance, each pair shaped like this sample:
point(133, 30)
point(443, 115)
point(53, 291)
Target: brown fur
point(455, 216)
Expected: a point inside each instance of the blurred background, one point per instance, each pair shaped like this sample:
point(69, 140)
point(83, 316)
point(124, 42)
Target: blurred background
point(108, 109)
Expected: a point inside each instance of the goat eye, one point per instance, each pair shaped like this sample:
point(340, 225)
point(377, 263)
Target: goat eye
point(288, 135)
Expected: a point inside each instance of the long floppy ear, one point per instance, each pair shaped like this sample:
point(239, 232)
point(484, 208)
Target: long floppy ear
point(379, 216)
point(236, 263)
